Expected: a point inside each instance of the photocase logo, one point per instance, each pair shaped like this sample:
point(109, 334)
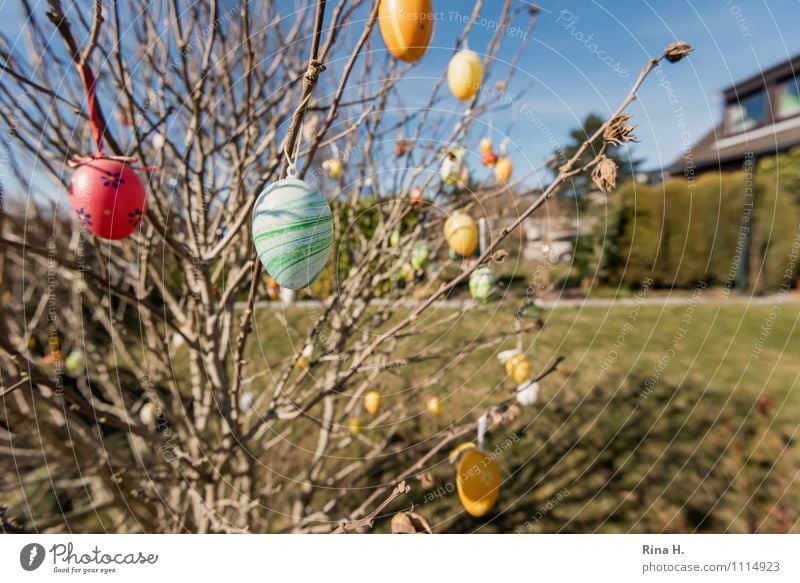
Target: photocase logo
point(31, 556)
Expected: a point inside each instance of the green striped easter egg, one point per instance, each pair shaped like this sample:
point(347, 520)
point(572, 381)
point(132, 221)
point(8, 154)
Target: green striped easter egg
point(292, 231)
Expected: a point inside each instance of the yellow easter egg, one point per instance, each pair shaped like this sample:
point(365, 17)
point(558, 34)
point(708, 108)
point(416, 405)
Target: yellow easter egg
point(406, 27)
point(355, 425)
point(302, 363)
point(372, 402)
point(464, 74)
point(434, 406)
point(334, 167)
point(461, 233)
point(519, 368)
point(477, 481)
point(503, 168)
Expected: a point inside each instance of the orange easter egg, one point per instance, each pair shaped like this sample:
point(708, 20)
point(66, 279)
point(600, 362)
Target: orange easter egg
point(477, 481)
point(503, 168)
point(434, 406)
point(372, 402)
point(406, 27)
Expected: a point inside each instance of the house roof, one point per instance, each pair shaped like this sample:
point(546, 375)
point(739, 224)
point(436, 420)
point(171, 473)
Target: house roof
point(717, 150)
point(766, 77)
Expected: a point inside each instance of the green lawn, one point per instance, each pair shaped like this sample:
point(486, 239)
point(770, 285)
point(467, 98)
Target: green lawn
point(720, 348)
point(677, 418)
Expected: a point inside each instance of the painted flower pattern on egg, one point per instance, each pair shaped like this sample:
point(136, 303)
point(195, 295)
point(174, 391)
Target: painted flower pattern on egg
point(107, 197)
point(292, 232)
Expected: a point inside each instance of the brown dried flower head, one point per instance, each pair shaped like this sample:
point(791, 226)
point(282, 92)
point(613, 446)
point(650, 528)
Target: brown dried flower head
point(677, 50)
point(499, 256)
point(617, 132)
point(604, 174)
point(410, 523)
point(426, 478)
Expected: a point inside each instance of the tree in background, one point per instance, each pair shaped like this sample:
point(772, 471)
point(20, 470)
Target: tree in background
point(783, 168)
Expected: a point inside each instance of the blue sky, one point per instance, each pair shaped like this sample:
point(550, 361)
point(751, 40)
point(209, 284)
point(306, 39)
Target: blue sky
point(563, 74)
point(566, 78)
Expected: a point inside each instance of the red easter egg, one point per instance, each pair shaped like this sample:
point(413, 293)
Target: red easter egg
point(108, 198)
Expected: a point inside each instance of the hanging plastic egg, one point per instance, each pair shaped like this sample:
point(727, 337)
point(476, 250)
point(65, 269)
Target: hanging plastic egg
point(477, 481)
point(486, 145)
point(406, 27)
point(503, 168)
point(304, 360)
point(292, 232)
point(334, 167)
point(434, 406)
point(481, 283)
point(354, 424)
point(416, 198)
point(518, 367)
point(75, 361)
point(108, 198)
point(394, 238)
point(452, 165)
point(273, 289)
point(420, 254)
point(464, 74)
point(528, 393)
point(461, 233)
point(489, 159)
point(372, 402)
point(147, 415)
point(247, 400)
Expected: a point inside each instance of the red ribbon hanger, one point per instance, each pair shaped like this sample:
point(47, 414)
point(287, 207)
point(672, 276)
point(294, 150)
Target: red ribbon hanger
point(89, 83)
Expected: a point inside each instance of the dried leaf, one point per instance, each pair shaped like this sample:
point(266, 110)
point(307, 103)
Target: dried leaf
point(499, 256)
point(617, 132)
point(401, 147)
point(426, 479)
point(677, 50)
point(604, 174)
point(410, 523)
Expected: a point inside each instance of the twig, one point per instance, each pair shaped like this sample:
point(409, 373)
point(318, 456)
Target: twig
point(367, 521)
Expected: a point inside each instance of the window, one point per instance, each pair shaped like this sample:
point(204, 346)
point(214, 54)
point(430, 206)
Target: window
point(747, 113)
point(788, 97)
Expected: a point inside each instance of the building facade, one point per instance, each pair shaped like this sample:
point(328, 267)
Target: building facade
point(761, 117)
